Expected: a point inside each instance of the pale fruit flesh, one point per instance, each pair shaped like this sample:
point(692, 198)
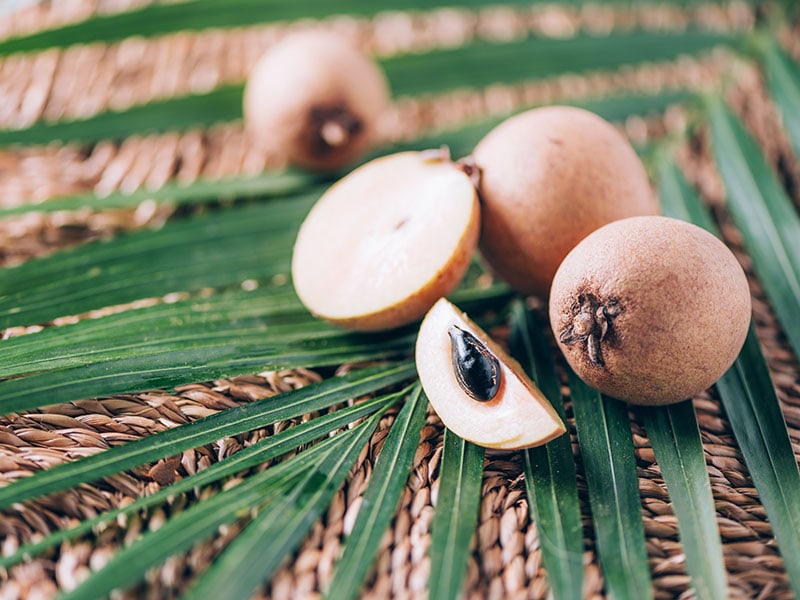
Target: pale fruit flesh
point(519, 416)
point(387, 241)
point(316, 99)
point(651, 310)
point(549, 177)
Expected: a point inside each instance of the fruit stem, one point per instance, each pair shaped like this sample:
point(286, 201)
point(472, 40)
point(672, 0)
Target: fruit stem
point(471, 169)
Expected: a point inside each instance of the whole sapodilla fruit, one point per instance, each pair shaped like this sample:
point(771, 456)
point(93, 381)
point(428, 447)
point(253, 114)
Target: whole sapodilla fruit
point(549, 177)
point(316, 98)
point(650, 310)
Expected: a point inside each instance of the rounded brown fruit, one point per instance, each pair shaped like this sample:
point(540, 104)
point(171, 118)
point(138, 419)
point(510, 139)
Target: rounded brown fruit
point(316, 98)
point(549, 177)
point(386, 241)
point(650, 310)
point(478, 391)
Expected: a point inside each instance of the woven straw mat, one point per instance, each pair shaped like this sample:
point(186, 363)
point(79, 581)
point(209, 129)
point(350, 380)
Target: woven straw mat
point(506, 561)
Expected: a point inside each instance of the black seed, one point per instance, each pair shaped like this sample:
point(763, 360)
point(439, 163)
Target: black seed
point(477, 369)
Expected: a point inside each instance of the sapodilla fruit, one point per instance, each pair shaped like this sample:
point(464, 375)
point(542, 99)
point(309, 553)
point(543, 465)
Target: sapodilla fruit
point(478, 391)
point(316, 98)
point(549, 177)
point(386, 241)
point(651, 310)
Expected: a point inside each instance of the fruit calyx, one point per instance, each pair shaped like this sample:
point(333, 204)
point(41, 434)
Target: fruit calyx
point(334, 126)
point(591, 323)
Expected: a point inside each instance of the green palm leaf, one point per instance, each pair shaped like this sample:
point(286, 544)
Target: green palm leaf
point(267, 449)
point(674, 435)
point(550, 475)
point(266, 185)
point(456, 516)
point(750, 402)
point(610, 466)
point(763, 213)
point(281, 524)
point(381, 499)
point(202, 519)
point(189, 360)
point(783, 75)
point(211, 251)
point(205, 431)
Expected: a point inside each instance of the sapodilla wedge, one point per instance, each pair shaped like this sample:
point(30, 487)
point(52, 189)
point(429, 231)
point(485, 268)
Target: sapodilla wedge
point(504, 409)
point(386, 241)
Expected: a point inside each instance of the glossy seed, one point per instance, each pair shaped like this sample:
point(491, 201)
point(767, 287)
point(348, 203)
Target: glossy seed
point(477, 369)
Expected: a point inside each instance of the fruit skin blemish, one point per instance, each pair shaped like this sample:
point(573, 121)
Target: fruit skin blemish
point(650, 310)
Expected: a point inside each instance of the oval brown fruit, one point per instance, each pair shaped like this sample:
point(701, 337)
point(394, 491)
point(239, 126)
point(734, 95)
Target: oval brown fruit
point(549, 177)
point(315, 98)
point(651, 310)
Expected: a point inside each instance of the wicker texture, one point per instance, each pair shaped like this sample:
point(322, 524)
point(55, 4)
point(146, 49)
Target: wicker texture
point(506, 561)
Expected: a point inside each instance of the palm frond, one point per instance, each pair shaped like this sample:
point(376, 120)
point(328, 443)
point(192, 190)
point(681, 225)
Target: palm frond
point(160, 19)
point(456, 517)
point(281, 524)
point(268, 449)
point(783, 75)
point(204, 431)
point(749, 398)
point(610, 467)
point(550, 474)
point(763, 213)
point(380, 499)
point(203, 519)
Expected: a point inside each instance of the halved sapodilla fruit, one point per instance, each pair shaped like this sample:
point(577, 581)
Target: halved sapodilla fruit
point(387, 241)
point(478, 391)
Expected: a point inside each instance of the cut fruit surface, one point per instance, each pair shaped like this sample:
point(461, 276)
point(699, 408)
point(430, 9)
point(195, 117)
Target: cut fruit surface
point(517, 416)
point(387, 241)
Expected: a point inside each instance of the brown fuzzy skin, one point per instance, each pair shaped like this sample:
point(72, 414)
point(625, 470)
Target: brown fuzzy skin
point(549, 177)
point(315, 98)
point(680, 309)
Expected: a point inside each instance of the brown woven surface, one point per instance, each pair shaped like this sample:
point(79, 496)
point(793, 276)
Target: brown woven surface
point(506, 561)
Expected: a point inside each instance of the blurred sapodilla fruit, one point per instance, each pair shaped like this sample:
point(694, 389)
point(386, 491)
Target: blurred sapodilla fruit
point(650, 310)
point(549, 177)
point(316, 98)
